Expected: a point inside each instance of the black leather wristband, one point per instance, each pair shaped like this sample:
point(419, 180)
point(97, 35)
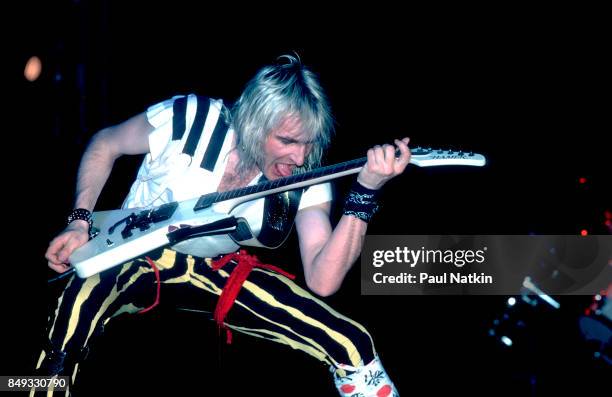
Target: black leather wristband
point(361, 202)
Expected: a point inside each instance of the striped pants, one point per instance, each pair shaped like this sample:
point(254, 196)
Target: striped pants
point(269, 306)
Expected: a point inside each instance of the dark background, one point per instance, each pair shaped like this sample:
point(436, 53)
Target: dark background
point(527, 88)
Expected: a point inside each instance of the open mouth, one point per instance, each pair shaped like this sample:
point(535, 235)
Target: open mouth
point(283, 170)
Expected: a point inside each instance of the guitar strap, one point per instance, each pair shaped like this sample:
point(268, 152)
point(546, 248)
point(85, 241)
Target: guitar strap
point(279, 216)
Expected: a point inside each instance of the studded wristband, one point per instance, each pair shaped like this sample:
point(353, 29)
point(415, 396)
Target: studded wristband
point(80, 214)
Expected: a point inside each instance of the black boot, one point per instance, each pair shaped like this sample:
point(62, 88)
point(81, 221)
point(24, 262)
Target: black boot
point(53, 363)
point(61, 363)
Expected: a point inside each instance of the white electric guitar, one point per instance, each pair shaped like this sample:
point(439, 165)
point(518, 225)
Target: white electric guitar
point(219, 223)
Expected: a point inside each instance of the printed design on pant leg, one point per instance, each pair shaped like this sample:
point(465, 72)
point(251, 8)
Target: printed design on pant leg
point(369, 380)
point(374, 377)
point(384, 391)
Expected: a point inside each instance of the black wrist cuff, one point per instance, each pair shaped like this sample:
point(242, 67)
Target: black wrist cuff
point(361, 202)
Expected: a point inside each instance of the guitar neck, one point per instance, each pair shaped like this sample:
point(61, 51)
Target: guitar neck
point(422, 157)
point(305, 179)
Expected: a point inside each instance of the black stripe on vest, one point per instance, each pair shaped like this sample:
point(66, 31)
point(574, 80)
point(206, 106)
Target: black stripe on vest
point(179, 110)
point(198, 125)
point(214, 145)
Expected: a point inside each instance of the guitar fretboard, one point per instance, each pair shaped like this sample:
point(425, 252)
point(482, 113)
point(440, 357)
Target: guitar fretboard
point(211, 198)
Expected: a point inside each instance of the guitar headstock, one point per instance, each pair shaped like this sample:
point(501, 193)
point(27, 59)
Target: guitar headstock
point(427, 157)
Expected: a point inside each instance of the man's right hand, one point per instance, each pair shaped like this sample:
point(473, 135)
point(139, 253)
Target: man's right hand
point(61, 247)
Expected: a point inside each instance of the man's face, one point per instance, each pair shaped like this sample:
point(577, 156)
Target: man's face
point(285, 148)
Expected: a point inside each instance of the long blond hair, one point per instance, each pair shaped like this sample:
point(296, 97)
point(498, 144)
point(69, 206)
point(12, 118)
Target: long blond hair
point(284, 89)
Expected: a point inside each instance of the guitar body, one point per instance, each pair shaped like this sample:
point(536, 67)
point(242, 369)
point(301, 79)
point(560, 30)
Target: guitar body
point(110, 248)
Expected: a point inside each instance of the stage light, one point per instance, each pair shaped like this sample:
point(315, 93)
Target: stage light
point(32, 68)
point(584, 232)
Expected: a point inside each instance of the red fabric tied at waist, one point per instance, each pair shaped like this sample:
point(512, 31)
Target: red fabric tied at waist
point(244, 264)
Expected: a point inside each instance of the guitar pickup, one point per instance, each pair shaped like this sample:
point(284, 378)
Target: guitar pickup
point(163, 212)
point(144, 219)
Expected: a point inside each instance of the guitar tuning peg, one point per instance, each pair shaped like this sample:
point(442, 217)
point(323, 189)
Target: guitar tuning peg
point(419, 151)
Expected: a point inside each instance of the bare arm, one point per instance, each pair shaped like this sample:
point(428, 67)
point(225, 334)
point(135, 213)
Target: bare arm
point(328, 255)
point(129, 137)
